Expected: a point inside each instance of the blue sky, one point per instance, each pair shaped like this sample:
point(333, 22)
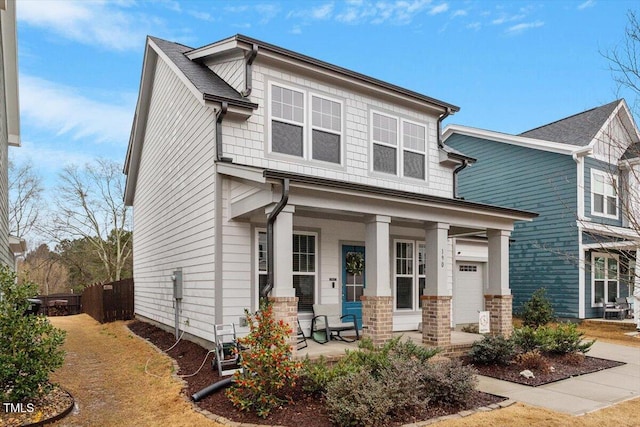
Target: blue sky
point(509, 65)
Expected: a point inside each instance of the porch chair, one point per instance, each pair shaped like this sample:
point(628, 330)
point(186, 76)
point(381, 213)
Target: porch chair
point(301, 340)
point(328, 324)
point(613, 308)
point(623, 303)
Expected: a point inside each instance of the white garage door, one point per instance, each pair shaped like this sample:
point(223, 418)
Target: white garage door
point(468, 294)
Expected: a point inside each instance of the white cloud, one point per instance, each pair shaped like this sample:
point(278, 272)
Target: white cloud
point(587, 4)
point(519, 28)
point(439, 9)
point(507, 18)
point(322, 12)
point(474, 26)
point(90, 22)
point(459, 12)
point(56, 108)
point(49, 160)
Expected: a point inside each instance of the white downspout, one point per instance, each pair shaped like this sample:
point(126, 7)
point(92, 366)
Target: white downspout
point(578, 157)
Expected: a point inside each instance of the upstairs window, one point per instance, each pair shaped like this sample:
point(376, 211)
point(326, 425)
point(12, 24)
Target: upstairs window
point(292, 110)
point(407, 159)
point(287, 126)
point(604, 194)
point(326, 124)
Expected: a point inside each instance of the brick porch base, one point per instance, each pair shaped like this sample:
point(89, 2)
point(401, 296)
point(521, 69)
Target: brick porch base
point(286, 309)
point(500, 307)
point(377, 318)
point(436, 320)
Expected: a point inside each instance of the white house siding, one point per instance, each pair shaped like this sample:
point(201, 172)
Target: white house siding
point(231, 71)
point(174, 207)
point(611, 142)
point(247, 141)
point(5, 254)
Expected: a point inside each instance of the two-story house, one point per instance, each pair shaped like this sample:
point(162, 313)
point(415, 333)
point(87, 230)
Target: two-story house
point(580, 174)
point(9, 124)
point(252, 168)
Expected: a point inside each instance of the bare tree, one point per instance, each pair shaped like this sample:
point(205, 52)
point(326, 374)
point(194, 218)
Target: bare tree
point(25, 198)
point(46, 269)
point(89, 205)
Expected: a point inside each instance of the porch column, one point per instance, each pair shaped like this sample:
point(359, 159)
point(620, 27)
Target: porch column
point(498, 299)
point(436, 301)
point(283, 295)
point(377, 302)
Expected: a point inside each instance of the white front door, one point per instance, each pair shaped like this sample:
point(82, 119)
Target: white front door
point(468, 292)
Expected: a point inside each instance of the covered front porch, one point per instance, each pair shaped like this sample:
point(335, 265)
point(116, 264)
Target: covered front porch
point(406, 241)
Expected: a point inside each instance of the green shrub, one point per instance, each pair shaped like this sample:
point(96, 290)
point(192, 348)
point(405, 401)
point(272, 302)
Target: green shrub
point(450, 382)
point(268, 371)
point(405, 384)
point(30, 347)
point(492, 349)
point(538, 310)
point(565, 338)
point(315, 375)
point(358, 398)
point(528, 339)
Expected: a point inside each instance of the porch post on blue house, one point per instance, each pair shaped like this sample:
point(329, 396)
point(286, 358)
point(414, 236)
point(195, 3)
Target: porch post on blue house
point(636, 291)
point(498, 299)
point(377, 302)
point(436, 301)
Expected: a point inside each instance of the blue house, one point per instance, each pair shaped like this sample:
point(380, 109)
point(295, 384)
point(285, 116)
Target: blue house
point(580, 174)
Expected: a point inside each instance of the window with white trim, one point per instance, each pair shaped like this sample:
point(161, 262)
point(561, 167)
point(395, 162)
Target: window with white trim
point(604, 194)
point(304, 267)
point(287, 124)
point(605, 274)
point(409, 269)
point(408, 159)
point(290, 132)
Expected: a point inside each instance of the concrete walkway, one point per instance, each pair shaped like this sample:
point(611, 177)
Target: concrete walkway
point(583, 394)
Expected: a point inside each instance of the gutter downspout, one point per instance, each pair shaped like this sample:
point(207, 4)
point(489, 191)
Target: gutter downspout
point(224, 106)
point(464, 164)
point(270, 220)
point(442, 116)
point(248, 87)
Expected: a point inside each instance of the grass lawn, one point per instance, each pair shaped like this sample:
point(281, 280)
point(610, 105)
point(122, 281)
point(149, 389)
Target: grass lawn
point(105, 372)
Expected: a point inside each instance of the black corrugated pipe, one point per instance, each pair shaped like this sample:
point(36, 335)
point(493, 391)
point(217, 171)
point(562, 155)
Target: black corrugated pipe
point(270, 249)
point(443, 116)
point(248, 86)
point(223, 112)
point(464, 164)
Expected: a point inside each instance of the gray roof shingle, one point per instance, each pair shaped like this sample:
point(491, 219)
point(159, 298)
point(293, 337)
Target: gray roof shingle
point(578, 129)
point(205, 80)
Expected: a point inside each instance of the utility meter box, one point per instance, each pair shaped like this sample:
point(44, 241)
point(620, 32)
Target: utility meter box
point(177, 283)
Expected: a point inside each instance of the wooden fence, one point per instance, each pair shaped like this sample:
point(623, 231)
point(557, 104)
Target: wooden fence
point(109, 302)
point(60, 304)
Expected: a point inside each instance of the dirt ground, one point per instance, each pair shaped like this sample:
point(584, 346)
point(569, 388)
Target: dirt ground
point(105, 371)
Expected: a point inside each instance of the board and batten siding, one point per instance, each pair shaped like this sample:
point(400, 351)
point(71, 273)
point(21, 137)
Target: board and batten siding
point(544, 252)
point(247, 141)
point(6, 257)
point(174, 208)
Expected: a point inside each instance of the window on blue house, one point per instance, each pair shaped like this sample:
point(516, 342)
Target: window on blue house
point(605, 273)
point(604, 194)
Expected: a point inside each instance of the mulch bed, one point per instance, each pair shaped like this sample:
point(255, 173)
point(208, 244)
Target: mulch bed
point(562, 370)
point(307, 410)
point(52, 406)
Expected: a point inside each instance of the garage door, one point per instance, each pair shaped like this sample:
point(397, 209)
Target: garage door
point(468, 293)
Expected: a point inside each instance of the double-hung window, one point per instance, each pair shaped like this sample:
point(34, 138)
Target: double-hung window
point(326, 129)
point(291, 111)
point(605, 278)
point(413, 154)
point(399, 146)
point(409, 270)
point(604, 194)
point(304, 267)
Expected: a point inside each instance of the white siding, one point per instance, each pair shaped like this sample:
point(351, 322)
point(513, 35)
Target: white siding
point(232, 72)
point(611, 141)
point(5, 254)
point(247, 141)
point(174, 207)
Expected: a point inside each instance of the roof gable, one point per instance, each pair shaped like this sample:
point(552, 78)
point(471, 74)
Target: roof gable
point(578, 130)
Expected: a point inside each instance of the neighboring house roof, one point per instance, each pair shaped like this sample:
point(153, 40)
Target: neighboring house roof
point(579, 129)
point(211, 86)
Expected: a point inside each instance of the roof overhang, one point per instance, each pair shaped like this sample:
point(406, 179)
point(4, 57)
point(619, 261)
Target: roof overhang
point(17, 245)
point(536, 144)
point(10, 61)
point(610, 231)
point(241, 45)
